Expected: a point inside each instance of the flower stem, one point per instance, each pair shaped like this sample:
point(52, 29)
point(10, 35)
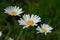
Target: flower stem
point(19, 34)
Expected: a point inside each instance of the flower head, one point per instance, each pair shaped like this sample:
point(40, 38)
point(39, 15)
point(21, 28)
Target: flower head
point(10, 39)
point(0, 33)
point(45, 28)
point(13, 10)
point(29, 20)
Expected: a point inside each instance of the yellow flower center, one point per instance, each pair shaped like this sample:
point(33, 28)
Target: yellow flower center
point(13, 13)
point(29, 22)
point(44, 30)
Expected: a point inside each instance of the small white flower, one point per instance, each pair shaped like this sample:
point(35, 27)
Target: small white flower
point(13, 10)
point(0, 33)
point(29, 20)
point(10, 39)
point(45, 28)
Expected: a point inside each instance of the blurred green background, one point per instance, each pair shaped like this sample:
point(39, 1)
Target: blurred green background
point(48, 10)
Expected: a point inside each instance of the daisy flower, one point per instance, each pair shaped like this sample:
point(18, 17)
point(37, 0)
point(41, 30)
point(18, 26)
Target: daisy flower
point(10, 39)
point(13, 10)
point(29, 20)
point(0, 33)
point(45, 28)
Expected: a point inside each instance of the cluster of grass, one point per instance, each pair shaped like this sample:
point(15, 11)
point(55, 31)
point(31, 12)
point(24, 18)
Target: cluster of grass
point(48, 10)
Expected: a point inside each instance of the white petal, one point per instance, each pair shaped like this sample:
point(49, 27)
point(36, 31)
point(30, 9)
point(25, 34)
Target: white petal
point(25, 27)
point(21, 22)
point(49, 28)
point(38, 28)
point(35, 25)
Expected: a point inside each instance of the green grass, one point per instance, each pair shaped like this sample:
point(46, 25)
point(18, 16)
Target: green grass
point(48, 10)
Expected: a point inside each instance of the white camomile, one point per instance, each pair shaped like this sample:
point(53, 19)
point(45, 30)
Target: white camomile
point(13, 10)
point(45, 28)
point(29, 20)
point(0, 33)
point(10, 38)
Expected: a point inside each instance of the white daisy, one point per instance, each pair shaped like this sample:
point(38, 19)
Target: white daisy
point(45, 28)
point(13, 10)
point(0, 33)
point(10, 39)
point(29, 20)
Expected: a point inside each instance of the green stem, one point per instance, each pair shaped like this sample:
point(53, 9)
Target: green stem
point(19, 34)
